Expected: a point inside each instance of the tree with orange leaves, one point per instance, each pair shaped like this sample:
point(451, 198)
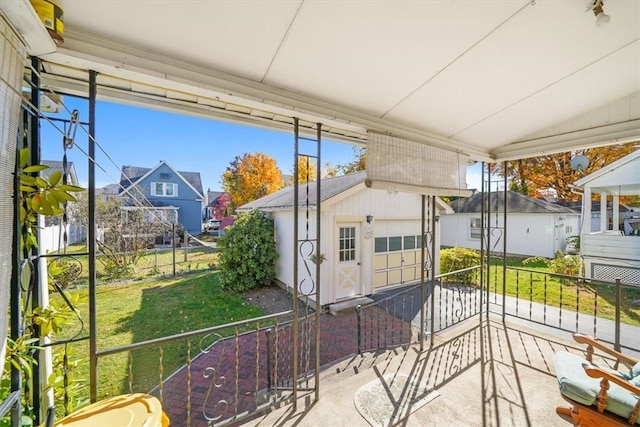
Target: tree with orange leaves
point(251, 176)
point(307, 170)
point(537, 175)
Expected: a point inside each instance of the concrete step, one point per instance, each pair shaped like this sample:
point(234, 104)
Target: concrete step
point(348, 305)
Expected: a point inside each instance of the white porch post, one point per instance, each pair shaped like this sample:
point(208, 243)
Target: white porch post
point(615, 223)
point(586, 211)
point(603, 212)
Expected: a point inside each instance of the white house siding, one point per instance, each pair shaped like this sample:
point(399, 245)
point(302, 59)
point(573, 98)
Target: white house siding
point(609, 256)
point(527, 234)
point(51, 238)
point(283, 222)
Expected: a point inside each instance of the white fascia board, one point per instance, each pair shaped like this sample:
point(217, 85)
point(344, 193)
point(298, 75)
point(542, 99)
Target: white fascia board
point(135, 183)
point(606, 169)
point(91, 53)
point(616, 133)
point(26, 21)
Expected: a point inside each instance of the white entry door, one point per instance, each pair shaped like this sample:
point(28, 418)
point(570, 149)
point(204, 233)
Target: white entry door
point(348, 261)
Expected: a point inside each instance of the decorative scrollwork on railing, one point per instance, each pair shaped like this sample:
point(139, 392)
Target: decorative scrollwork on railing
point(460, 311)
point(427, 240)
point(220, 407)
point(307, 285)
point(496, 234)
point(61, 274)
point(217, 410)
point(456, 346)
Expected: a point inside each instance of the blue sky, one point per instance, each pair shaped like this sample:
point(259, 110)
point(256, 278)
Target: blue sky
point(142, 137)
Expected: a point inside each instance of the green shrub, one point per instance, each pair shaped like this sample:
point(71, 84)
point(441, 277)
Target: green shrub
point(454, 259)
point(248, 253)
point(560, 264)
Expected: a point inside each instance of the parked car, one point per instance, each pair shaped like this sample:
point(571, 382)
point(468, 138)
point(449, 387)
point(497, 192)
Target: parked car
point(211, 225)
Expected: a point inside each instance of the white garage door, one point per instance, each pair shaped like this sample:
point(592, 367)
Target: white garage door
point(396, 258)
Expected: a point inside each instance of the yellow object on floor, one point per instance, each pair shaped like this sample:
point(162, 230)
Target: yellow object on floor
point(127, 410)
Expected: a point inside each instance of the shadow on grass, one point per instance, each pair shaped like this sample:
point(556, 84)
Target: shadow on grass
point(189, 304)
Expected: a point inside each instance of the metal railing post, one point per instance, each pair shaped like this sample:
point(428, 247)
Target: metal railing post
point(432, 276)
point(422, 272)
point(173, 246)
point(91, 242)
point(268, 333)
point(616, 345)
point(358, 318)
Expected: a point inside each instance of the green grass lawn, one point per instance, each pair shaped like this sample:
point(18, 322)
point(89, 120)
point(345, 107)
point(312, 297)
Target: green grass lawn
point(139, 311)
point(536, 286)
point(152, 263)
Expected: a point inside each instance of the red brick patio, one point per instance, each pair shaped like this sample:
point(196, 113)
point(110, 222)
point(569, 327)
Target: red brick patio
point(216, 378)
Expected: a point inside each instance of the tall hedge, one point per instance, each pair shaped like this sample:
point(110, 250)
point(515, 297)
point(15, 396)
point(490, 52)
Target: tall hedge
point(248, 253)
point(454, 259)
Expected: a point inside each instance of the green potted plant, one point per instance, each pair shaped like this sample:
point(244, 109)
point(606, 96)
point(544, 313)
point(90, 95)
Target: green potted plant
point(317, 258)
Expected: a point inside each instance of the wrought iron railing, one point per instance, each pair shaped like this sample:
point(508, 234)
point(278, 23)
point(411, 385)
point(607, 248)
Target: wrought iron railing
point(394, 318)
point(225, 374)
point(607, 310)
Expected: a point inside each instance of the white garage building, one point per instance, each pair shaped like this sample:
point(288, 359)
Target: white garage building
point(371, 237)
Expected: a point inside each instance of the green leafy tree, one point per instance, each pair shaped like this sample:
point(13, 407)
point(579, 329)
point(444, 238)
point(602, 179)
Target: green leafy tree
point(357, 164)
point(39, 196)
point(248, 253)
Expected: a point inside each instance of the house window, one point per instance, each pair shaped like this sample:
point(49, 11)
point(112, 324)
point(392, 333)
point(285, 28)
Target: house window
point(165, 176)
point(475, 228)
point(347, 244)
point(166, 189)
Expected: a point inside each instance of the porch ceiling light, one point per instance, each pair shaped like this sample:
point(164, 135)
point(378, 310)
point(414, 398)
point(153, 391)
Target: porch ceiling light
point(602, 18)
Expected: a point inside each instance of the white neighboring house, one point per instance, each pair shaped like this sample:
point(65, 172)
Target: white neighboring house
point(612, 252)
point(535, 227)
point(371, 238)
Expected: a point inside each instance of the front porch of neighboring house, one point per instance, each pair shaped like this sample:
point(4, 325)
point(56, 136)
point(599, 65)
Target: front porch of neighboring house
point(614, 250)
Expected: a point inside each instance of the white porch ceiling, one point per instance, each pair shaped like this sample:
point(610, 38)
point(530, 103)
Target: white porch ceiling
point(493, 79)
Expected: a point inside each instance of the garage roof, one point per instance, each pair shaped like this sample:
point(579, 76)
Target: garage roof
point(493, 79)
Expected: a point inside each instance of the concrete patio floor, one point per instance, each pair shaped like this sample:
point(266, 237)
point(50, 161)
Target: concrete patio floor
point(497, 374)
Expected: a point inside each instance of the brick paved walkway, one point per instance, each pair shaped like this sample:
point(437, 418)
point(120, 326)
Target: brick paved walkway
point(217, 375)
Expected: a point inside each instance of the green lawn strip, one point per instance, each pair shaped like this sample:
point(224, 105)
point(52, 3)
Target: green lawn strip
point(142, 311)
point(592, 299)
point(152, 263)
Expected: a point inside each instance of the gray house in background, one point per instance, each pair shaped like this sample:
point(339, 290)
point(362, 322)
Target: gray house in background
point(535, 227)
point(174, 196)
point(56, 165)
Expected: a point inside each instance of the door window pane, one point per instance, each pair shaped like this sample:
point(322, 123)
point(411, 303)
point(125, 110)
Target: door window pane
point(347, 244)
